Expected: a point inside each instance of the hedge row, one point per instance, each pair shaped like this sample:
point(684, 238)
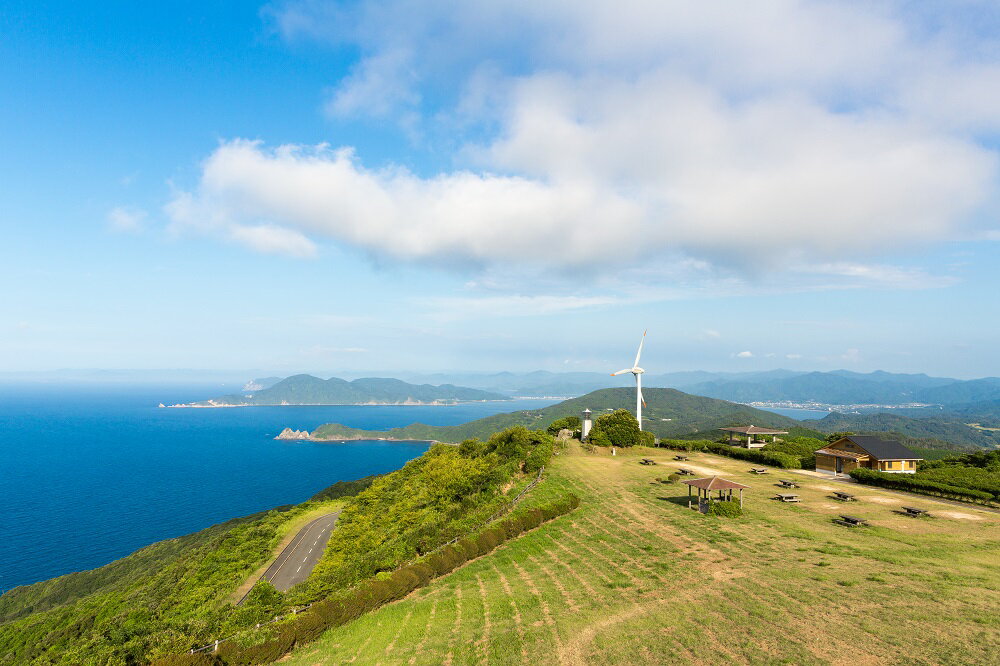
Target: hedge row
point(770, 458)
point(385, 588)
point(915, 484)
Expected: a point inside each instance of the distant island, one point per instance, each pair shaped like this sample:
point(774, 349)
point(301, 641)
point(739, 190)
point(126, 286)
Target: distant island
point(300, 390)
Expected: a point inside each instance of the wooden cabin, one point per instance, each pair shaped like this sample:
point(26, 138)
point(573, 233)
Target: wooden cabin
point(867, 452)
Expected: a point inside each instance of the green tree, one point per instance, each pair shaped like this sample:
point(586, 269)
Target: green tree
point(834, 436)
point(619, 428)
point(565, 423)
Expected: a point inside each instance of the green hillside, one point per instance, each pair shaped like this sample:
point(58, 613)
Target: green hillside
point(936, 432)
point(309, 390)
point(668, 413)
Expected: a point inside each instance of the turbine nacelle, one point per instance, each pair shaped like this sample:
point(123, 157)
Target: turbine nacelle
point(636, 371)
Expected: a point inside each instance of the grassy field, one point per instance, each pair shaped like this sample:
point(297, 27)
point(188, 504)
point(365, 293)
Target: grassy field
point(633, 576)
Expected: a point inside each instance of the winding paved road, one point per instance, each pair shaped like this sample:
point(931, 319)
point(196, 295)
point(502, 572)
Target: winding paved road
point(297, 560)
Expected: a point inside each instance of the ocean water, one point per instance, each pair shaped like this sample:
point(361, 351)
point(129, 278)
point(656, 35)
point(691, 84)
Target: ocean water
point(91, 474)
point(797, 413)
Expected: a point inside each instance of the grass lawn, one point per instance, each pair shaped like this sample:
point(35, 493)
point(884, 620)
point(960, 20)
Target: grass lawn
point(633, 576)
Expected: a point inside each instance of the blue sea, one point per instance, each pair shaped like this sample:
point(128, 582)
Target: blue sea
point(91, 474)
point(797, 413)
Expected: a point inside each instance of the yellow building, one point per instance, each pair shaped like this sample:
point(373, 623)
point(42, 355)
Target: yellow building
point(867, 452)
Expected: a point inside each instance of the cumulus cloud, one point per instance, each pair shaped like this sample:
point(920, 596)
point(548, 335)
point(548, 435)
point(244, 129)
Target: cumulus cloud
point(744, 354)
point(769, 133)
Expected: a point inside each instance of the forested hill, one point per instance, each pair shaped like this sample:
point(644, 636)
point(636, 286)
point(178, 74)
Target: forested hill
point(926, 432)
point(309, 390)
point(669, 413)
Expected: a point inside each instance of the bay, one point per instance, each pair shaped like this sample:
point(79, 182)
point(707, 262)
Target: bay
point(90, 474)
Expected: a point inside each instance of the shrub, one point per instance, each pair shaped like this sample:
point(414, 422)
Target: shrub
point(685, 444)
point(674, 478)
point(771, 458)
point(726, 508)
point(619, 428)
point(915, 484)
point(565, 423)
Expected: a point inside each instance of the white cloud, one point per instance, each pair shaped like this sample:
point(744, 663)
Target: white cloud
point(744, 354)
point(618, 135)
point(126, 220)
point(793, 357)
point(712, 334)
point(272, 239)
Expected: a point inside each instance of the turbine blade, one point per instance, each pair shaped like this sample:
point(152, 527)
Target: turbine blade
point(641, 399)
point(621, 372)
point(639, 353)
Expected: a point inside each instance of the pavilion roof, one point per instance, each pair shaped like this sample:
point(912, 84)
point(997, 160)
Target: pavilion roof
point(754, 430)
point(714, 483)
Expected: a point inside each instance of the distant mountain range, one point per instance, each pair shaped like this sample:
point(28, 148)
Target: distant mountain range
point(309, 390)
point(839, 387)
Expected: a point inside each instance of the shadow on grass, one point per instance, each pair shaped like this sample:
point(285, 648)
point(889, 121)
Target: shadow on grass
point(681, 500)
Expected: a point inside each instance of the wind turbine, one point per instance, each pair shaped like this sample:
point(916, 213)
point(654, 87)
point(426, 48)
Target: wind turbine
point(637, 371)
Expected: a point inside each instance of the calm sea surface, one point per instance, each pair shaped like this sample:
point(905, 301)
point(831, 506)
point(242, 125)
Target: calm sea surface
point(89, 475)
point(798, 414)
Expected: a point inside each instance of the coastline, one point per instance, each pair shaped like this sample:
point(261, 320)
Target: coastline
point(288, 434)
point(407, 403)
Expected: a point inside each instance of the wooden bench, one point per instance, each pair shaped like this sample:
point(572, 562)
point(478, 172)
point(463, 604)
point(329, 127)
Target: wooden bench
point(681, 470)
point(785, 483)
point(846, 497)
point(915, 512)
point(678, 457)
point(787, 497)
point(851, 521)
point(758, 470)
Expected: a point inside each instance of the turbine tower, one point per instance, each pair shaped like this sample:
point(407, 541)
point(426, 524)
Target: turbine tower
point(637, 371)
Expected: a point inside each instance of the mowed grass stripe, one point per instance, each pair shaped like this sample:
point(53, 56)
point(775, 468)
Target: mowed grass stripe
point(516, 614)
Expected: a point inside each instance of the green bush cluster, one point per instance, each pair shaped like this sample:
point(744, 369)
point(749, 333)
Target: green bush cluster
point(769, 458)
point(915, 484)
point(446, 492)
point(725, 509)
point(978, 471)
point(375, 592)
point(803, 448)
point(619, 428)
point(565, 423)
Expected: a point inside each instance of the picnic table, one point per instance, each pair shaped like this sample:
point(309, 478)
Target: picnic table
point(681, 470)
point(914, 511)
point(846, 497)
point(851, 521)
point(759, 470)
point(680, 457)
point(787, 497)
point(785, 483)
point(647, 461)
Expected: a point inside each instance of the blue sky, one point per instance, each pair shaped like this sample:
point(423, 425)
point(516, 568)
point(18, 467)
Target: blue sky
point(397, 186)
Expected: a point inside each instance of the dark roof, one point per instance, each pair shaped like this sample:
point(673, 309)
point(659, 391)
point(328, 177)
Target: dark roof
point(883, 449)
point(714, 483)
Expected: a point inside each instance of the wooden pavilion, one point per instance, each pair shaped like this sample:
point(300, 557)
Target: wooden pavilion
point(750, 431)
point(707, 485)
